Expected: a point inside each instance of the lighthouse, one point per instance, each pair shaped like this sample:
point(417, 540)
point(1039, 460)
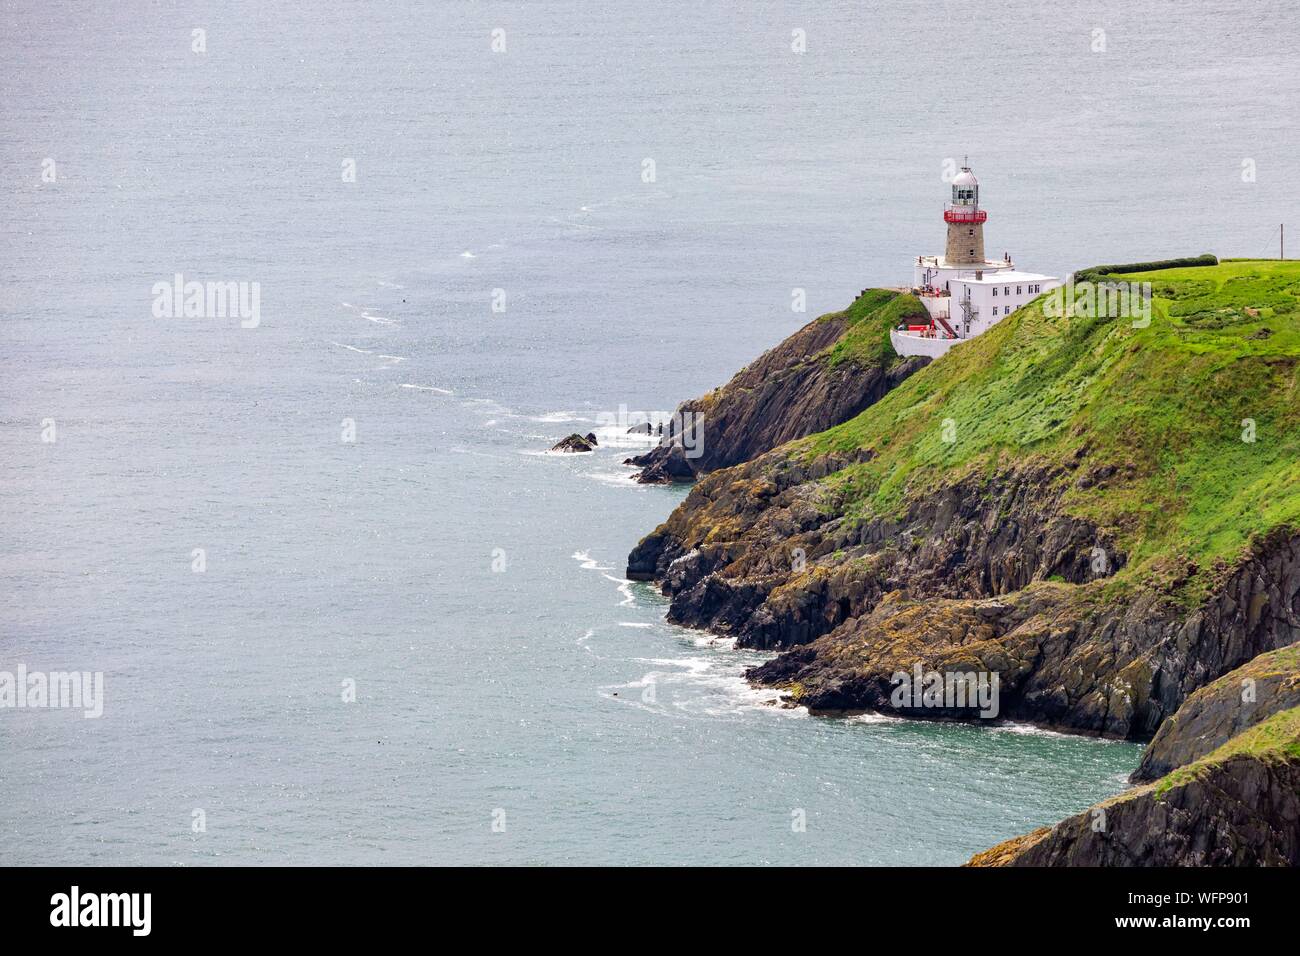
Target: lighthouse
point(965, 221)
point(963, 292)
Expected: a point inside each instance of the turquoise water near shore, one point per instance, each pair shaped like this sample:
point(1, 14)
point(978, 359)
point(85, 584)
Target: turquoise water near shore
point(468, 585)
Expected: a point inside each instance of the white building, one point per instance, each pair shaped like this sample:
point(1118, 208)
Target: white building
point(964, 293)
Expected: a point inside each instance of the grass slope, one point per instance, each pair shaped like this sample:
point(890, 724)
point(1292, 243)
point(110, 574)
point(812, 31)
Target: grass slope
point(871, 316)
point(1166, 406)
point(1277, 738)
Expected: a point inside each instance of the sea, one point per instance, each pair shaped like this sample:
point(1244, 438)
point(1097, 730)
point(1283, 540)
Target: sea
point(346, 606)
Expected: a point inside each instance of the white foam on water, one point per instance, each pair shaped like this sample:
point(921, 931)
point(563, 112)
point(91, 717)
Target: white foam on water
point(694, 665)
point(589, 563)
point(427, 388)
point(625, 589)
point(1028, 730)
point(621, 479)
point(365, 313)
point(351, 348)
point(711, 685)
point(708, 682)
point(389, 360)
point(718, 641)
point(874, 718)
point(616, 436)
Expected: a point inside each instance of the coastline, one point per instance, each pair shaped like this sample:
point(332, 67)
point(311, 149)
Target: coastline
point(867, 548)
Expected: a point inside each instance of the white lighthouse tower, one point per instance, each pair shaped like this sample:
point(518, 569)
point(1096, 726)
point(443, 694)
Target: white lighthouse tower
point(964, 293)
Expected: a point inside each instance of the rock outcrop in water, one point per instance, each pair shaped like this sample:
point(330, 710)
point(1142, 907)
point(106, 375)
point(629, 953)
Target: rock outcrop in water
point(824, 374)
point(1018, 508)
point(576, 443)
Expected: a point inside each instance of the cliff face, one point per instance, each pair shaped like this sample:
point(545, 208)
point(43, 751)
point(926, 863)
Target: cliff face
point(824, 374)
point(1223, 709)
point(985, 575)
point(1237, 806)
point(1018, 507)
point(1103, 513)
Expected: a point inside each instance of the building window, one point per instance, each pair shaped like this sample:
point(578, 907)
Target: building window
point(1018, 292)
point(970, 232)
point(1006, 310)
point(1007, 290)
point(970, 252)
point(995, 290)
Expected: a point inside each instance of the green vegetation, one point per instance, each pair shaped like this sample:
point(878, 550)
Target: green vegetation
point(1192, 422)
point(871, 316)
point(1277, 738)
point(1098, 273)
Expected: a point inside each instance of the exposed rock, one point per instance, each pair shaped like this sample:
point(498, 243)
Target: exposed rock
point(1221, 710)
point(576, 443)
point(1014, 510)
point(671, 465)
point(645, 428)
point(1080, 659)
point(1238, 806)
point(591, 438)
point(793, 390)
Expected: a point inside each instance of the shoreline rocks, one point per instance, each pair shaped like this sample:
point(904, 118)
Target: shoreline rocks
point(808, 383)
point(576, 444)
point(1010, 512)
point(1237, 806)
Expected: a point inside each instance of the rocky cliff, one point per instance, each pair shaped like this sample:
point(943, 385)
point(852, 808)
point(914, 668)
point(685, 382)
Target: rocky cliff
point(1019, 506)
point(1103, 511)
point(824, 374)
point(1237, 806)
point(1223, 709)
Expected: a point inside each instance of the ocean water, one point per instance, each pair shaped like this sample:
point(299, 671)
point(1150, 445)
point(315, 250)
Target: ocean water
point(516, 701)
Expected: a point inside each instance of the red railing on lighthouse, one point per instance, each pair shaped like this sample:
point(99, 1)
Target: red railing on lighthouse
point(958, 214)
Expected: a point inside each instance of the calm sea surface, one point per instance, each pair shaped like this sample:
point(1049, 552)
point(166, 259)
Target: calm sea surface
point(467, 586)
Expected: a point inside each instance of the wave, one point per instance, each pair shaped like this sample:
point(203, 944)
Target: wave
point(426, 388)
point(710, 685)
point(365, 313)
point(589, 563)
point(351, 348)
point(872, 717)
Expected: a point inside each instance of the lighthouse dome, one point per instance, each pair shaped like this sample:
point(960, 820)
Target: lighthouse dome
point(965, 178)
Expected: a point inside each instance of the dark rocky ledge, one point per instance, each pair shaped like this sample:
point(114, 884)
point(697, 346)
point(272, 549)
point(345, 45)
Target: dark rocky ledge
point(810, 382)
